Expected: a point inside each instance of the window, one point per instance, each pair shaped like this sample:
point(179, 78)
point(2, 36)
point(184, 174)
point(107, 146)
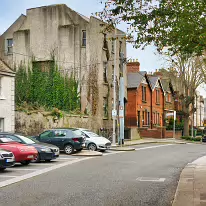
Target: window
point(157, 96)
point(47, 135)
point(144, 93)
point(59, 133)
point(168, 97)
point(84, 37)
point(105, 107)
point(105, 44)
point(113, 45)
point(143, 117)
point(120, 47)
point(1, 124)
point(9, 46)
point(112, 72)
point(158, 118)
point(148, 118)
point(14, 138)
point(105, 72)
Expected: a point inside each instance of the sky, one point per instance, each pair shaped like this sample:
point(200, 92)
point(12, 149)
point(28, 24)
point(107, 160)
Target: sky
point(10, 10)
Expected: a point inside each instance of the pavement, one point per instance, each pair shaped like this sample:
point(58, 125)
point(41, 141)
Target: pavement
point(151, 141)
point(191, 190)
point(146, 177)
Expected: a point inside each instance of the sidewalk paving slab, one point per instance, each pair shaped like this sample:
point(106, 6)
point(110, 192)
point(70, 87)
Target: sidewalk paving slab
point(87, 153)
point(191, 188)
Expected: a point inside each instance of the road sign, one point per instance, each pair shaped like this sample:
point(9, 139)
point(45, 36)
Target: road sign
point(114, 113)
point(174, 115)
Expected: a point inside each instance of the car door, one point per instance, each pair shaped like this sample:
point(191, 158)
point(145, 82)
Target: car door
point(46, 137)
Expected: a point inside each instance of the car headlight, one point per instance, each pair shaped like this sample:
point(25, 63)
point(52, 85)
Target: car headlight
point(46, 150)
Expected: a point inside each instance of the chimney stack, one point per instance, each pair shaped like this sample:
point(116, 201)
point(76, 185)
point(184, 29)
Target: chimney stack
point(133, 66)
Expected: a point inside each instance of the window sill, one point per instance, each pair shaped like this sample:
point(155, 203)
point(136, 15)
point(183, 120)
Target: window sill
point(2, 97)
point(168, 102)
point(9, 54)
point(105, 118)
point(144, 101)
point(157, 103)
point(84, 47)
point(105, 49)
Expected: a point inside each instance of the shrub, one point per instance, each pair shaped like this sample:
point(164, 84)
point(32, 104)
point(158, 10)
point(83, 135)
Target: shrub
point(196, 139)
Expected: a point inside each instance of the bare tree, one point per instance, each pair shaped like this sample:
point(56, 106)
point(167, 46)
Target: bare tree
point(187, 74)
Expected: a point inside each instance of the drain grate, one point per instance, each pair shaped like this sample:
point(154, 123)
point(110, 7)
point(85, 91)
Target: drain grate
point(150, 179)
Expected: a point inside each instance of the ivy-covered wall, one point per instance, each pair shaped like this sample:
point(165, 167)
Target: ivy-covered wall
point(43, 85)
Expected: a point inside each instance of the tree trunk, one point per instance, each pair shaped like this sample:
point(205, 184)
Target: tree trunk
point(186, 126)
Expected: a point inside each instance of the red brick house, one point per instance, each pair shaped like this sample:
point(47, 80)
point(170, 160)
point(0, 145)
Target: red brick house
point(139, 100)
point(157, 106)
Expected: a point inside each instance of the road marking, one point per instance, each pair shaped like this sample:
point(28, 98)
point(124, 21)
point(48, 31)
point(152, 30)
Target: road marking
point(68, 158)
point(7, 176)
point(143, 148)
point(39, 172)
point(21, 169)
point(150, 179)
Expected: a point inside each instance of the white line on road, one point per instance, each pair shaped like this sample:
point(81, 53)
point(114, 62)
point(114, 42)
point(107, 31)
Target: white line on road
point(143, 148)
point(39, 172)
point(9, 176)
point(66, 158)
point(21, 169)
point(150, 179)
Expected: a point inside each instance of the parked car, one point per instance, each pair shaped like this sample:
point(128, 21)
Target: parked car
point(46, 152)
point(22, 153)
point(6, 159)
point(94, 141)
point(67, 140)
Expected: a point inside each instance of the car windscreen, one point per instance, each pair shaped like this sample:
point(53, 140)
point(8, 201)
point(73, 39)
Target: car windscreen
point(91, 134)
point(77, 132)
point(25, 139)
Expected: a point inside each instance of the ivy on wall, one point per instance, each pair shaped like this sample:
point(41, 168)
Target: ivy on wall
point(44, 85)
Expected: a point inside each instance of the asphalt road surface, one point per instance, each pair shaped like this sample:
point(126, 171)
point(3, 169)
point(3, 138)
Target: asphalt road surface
point(145, 177)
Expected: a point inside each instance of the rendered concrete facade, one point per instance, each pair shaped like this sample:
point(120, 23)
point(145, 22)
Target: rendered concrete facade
point(56, 31)
point(7, 104)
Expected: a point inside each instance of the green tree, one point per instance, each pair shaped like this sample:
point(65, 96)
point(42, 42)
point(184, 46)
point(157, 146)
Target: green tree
point(178, 25)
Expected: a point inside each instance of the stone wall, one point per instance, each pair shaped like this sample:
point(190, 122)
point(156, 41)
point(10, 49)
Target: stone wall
point(35, 123)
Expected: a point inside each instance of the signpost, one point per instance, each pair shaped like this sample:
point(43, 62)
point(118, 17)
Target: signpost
point(174, 124)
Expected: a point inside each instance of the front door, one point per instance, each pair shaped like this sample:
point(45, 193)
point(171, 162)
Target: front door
point(138, 119)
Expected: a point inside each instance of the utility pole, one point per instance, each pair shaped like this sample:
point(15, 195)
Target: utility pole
point(121, 99)
point(114, 111)
point(174, 124)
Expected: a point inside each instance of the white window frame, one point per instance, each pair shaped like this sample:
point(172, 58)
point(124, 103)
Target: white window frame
point(0, 86)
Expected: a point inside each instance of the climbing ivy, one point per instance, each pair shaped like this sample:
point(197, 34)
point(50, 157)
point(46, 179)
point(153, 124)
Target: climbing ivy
point(46, 87)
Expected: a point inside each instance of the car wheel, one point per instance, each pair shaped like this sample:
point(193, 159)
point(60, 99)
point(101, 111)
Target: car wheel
point(68, 149)
point(92, 147)
point(26, 162)
point(79, 150)
point(36, 159)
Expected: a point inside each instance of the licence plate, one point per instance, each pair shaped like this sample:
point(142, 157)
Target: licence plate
point(56, 153)
point(30, 156)
point(9, 160)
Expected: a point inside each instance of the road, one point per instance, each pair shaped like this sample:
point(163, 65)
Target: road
point(113, 179)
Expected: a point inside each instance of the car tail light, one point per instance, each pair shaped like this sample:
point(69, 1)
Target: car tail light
point(75, 139)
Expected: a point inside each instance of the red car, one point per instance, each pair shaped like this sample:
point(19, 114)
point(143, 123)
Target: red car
point(22, 153)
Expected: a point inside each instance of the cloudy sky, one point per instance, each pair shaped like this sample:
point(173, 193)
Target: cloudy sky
point(10, 10)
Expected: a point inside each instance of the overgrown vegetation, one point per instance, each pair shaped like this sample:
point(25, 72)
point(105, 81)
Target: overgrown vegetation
point(178, 125)
point(196, 139)
point(46, 87)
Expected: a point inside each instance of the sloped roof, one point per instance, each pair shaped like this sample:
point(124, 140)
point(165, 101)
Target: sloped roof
point(135, 79)
point(153, 80)
point(165, 84)
point(5, 69)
